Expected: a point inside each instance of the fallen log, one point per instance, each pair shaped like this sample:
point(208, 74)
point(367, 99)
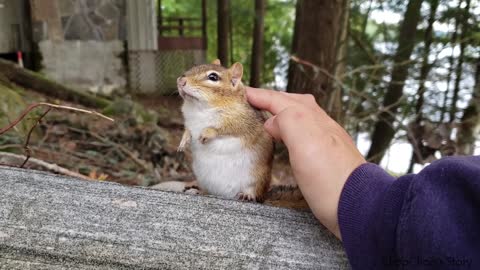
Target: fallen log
point(55, 222)
point(32, 80)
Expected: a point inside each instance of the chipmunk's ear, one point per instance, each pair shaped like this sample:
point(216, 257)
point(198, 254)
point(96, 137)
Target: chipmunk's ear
point(216, 62)
point(236, 70)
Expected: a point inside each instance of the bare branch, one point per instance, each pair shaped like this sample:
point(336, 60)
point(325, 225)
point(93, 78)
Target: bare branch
point(49, 166)
point(50, 106)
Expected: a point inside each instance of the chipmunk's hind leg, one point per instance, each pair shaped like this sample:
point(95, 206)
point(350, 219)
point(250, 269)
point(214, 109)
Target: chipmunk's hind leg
point(263, 176)
point(256, 192)
point(248, 196)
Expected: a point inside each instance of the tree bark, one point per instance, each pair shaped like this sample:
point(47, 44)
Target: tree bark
point(469, 128)
point(257, 46)
point(34, 81)
point(424, 70)
point(223, 27)
point(315, 37)
point(451, 60)
point(383, 132)
point(335, 102)
point(461, 58)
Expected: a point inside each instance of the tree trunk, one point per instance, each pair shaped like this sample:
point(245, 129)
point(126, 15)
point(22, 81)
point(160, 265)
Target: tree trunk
point(451, 61)
point(223, 27)
point(335, 101)
point(424, 70)
point(383, 132)
point(469, 128)
point(459, 68)
point(257, 47)
point(315, 37)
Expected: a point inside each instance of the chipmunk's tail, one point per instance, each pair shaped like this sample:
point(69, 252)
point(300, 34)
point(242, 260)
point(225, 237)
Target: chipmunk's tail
point(286, 196)
point(189, 187)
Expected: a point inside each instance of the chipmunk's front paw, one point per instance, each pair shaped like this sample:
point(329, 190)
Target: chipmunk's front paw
point(246, 197)
point(186, 138)
point(207, 135)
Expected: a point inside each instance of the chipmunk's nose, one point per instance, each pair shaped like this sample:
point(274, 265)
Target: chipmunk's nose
point(181, 81)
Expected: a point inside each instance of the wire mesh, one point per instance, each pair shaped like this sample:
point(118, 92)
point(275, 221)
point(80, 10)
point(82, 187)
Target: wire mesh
point(156, 72)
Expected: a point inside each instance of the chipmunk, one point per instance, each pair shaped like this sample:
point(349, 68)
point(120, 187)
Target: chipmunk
point(231, 151)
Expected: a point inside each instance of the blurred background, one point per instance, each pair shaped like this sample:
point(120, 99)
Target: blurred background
point(402, 77)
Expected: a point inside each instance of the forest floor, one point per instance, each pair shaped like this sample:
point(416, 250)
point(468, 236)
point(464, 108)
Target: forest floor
point(127, 151)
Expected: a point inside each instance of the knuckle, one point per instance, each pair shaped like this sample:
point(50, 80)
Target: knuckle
point(309, 97)
point(310, 100)
point(293, 113)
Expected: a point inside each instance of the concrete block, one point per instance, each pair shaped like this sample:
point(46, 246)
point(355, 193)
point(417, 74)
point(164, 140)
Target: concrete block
point(92, 65)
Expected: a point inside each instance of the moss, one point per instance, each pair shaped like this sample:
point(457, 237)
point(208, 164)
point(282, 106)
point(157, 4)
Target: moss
point(11, 105)
point(123, 107)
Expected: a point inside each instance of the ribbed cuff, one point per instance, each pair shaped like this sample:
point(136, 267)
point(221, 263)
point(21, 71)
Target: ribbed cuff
point(359, 211)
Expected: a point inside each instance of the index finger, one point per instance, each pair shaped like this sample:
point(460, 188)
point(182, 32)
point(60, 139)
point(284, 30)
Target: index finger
point(269, 100)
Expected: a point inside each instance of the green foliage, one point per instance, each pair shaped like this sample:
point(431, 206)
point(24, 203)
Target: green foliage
point(11, 105)
point(126, 108)
point(279, 20)
point(372, 41)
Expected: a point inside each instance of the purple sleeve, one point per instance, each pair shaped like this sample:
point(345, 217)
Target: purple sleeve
point(428, 220)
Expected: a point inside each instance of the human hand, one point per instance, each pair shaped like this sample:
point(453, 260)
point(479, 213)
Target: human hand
point(322, 154)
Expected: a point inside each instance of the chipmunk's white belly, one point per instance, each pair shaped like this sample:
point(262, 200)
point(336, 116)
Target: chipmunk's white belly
point(223, 166)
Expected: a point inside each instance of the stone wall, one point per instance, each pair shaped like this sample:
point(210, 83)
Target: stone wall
point(81, 42)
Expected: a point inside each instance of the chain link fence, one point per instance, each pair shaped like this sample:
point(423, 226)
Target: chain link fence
point(156, 72)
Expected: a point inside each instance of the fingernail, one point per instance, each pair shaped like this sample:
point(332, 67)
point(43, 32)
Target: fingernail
point(269, 122)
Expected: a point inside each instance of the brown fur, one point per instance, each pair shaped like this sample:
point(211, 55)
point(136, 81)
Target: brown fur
point(287, 197)
point(240, 119)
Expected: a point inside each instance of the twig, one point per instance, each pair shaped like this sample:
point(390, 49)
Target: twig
point(77, 110)
point(25, 145)
point(50, 106)
point(6, 146)
point(382, 109)
point(33, 106)
point(375, 66)
point(114, 147)
point(122, 148)
point(49, 166)
point(316, 68)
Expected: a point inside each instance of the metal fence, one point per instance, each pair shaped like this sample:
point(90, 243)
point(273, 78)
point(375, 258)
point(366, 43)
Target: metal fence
point(156, 72)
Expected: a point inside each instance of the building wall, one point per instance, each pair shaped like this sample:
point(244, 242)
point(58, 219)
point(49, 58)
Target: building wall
point(13, 26)
point(82, 42)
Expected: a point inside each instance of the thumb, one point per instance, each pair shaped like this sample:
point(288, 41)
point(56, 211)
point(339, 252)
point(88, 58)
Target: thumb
point(272, 127)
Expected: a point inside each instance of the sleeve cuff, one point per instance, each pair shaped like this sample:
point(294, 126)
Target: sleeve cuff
point(367, 213)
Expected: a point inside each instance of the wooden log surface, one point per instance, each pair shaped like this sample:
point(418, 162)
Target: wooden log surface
point(55, 222)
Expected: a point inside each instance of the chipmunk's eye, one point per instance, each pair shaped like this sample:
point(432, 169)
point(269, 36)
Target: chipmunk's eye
point(213, 77)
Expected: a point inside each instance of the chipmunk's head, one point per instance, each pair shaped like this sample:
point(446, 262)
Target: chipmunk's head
point(211, 83)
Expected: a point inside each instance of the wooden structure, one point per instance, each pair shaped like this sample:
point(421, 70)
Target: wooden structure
point(161, 50)
point(183, 33)
point(55, 222)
